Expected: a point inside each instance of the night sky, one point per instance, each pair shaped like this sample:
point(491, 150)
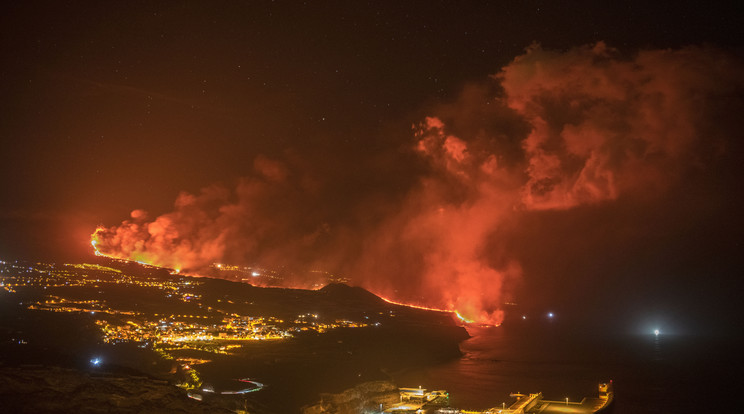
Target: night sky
point(581, 158)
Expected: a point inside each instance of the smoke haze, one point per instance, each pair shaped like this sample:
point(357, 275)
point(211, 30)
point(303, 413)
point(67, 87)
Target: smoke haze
point(555, 155)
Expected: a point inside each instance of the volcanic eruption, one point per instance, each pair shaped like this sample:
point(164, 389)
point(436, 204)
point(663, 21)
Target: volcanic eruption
point(550, 132)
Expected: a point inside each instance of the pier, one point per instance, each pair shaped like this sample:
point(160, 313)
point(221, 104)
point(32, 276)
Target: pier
point(419, 401)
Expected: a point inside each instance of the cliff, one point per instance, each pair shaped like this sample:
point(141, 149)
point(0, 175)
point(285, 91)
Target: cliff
point(363, 397)
point(58, 390)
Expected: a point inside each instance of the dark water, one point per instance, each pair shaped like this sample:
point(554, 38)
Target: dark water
point(665, 374)
point(297, 371)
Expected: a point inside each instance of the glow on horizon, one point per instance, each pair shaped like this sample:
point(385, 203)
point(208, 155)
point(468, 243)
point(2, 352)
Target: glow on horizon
point(94, 243)
point(408, 305)
point(462, 318)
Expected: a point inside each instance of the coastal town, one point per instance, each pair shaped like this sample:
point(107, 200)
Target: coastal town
point(201, 322)
point(176, 318)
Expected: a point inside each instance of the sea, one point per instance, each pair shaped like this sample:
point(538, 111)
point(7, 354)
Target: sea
point(651, 373)
point(666, 373)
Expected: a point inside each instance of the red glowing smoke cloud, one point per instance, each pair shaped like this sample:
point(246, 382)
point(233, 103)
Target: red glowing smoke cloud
point(558, 131)
point(603, 125)
point(550, 131)
point(259, 218)
point(439, 240)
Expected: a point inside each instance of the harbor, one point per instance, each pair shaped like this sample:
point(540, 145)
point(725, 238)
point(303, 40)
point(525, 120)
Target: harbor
point(419, 401)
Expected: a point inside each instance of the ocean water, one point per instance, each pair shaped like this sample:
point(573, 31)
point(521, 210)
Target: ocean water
point(664, 374)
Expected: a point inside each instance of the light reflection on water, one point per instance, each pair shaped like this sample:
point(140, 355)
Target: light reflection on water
point(663, 374)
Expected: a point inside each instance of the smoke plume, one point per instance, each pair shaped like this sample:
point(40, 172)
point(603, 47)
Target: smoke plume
point(603, 126)
point(551, 131)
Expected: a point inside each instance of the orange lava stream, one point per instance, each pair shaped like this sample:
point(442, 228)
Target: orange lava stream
point(97, 252)
point(460, 317)
point(94, 243)
point(408, 305)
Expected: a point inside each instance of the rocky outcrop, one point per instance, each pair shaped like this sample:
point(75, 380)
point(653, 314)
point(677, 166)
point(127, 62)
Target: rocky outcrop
point(58, 390)
point(363, 397)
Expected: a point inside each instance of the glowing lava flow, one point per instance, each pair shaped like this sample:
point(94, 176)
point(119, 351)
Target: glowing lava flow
point(455, 312)
point(97, 252)
point(462, 318)
point(94, 243)
point(408, 305)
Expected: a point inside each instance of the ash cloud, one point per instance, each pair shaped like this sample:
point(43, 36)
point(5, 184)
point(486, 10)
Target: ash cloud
point(603, 125)
point(439, 238)
point(260, 221)
point(552, 131)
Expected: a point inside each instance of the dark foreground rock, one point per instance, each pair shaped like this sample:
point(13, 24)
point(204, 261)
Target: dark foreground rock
point(362, 398)
point(58, 390)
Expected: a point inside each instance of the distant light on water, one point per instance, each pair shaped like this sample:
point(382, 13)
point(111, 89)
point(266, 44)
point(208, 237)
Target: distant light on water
point(95, 362)
point(656, 332)
point(550, 315)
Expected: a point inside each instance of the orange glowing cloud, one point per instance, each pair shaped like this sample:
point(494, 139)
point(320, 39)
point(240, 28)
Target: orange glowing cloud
point(549, 131)
point(558, 130)
point(442, 232)
point(256, 219)
point(603, 125)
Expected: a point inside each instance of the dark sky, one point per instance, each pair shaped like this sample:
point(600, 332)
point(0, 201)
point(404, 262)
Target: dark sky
point(298, 120)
